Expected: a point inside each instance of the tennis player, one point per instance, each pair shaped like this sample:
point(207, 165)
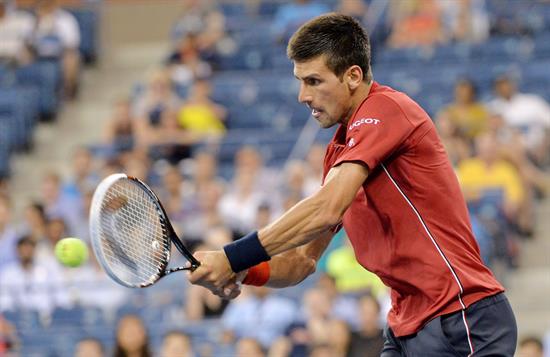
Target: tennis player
point(389, 183)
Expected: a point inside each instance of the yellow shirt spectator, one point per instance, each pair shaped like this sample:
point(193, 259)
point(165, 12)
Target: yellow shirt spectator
point(349, 275)
point(470, 120)
point(476, 176)
point(200, 119)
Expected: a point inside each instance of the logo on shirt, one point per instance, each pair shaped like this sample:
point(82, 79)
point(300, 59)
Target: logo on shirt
point(351, 142)
point(364, 121)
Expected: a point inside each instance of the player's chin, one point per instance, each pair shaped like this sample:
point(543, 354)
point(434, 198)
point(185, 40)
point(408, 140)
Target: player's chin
point(325, 122)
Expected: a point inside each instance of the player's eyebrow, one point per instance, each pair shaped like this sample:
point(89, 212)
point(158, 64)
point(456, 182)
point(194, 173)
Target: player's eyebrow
point(309, 76)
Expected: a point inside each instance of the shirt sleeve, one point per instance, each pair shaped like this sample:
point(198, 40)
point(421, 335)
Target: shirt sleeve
point(377, 130)
point(69, 30)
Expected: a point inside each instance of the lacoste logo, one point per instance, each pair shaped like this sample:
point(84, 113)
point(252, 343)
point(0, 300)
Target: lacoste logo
point(364, 121)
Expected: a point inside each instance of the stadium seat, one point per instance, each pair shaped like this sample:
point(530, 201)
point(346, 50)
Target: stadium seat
point(88, 23)
point(46, 76)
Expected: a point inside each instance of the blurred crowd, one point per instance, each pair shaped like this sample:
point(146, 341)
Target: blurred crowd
point(43, 31)
point(167, 131)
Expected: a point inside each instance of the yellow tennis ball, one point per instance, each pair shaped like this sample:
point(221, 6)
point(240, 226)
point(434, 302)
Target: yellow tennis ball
point(71, 252)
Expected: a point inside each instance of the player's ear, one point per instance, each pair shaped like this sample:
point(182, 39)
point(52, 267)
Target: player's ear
point(354, 77)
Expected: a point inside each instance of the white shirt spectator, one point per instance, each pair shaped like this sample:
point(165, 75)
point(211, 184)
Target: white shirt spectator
point(39, 288)
point(16, 29)
point(528, 113)
point(264, 319)
point(56, 32)
point(88, 285)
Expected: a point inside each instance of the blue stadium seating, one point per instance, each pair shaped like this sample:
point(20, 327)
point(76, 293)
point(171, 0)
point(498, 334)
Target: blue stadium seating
point(46, 76)
point(88, 23)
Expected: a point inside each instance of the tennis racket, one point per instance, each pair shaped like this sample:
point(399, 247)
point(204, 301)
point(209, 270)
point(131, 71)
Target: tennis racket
point(131, 233)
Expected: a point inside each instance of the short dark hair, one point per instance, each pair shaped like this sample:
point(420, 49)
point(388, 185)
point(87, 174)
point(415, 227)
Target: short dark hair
point(339, 37)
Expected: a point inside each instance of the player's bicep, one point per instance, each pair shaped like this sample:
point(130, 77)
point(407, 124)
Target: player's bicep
point(341, 186)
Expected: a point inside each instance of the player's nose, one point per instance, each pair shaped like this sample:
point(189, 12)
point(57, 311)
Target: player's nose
point(304, 96)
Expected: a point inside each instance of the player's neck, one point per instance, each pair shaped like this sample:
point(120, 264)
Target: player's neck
point(357, 98)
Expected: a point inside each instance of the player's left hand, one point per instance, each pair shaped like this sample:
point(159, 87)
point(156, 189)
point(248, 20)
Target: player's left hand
point(214, 273)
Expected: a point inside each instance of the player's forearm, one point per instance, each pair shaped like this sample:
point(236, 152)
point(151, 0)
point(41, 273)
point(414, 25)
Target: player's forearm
point(289, 270)
point(292, 267)
point(304, 222)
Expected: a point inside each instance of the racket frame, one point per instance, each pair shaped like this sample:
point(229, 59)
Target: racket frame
point(165, 222)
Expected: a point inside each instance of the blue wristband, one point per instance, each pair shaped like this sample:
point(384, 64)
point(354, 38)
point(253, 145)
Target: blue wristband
point(245, 252)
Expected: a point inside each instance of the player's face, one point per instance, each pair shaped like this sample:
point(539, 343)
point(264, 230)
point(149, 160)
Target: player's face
point(327, 95)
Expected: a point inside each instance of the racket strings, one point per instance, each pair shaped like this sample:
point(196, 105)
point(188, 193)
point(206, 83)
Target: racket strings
point(133, 238)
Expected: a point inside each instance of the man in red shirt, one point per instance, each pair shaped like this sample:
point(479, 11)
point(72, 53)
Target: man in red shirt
point(388, 181)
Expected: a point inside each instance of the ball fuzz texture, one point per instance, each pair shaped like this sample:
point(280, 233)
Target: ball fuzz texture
point(71, 252)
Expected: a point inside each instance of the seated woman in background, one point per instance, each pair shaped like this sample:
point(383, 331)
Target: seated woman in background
point(119, 131)
point(199, 114)
point(469, 116)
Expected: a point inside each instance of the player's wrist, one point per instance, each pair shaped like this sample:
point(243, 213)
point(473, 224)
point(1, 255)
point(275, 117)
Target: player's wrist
point(245, 252)
point(258, 275)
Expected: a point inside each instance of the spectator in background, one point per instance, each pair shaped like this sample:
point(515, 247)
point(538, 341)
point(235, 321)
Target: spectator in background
point(136, 164)
point(91, 287)
point(317, 313)
point(157, 97)
point(132, 339)
point(249, 347)
point(291, 16)
point(415, 23)
point(57, 204)
point(29, 284)
point(176, 344)
point(314, 168)
point(202, 213)
point(8, 235)
point(340, 337)
point(495, 194)
point(83, 174)
point(57, 36)
point(169, 140)
point(466, 114)
point(487, 171)
point(89, 347)
point(35, 222)
point(205, 169)
point(256, 307)
point(16, 28)
point(250, 159)
point(172, 193)
point(185, 63)
point(527, 113)
point(199, 114)
point(368, 340)
point(202, 19)
point(294, 180)
point(349, 276)
point(531, 346)
point(342, 306)
point(238, 207)
point(120, 129)
point(200, 303)
point(466, 20)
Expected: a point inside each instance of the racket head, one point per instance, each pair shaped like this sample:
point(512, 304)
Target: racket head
point(130, 232)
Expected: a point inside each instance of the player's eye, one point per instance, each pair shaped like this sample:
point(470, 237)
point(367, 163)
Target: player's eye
point(312, 81)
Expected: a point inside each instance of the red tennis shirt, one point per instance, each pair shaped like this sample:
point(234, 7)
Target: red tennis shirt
point(409, 223)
